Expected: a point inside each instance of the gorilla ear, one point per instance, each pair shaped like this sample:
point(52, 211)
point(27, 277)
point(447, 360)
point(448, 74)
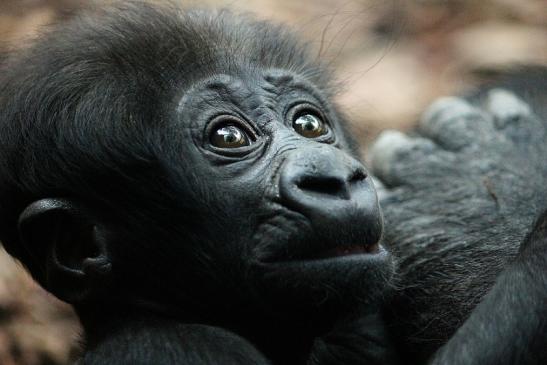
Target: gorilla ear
point(68, 245)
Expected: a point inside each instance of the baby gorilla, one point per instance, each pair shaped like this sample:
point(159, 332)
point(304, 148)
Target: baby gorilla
point(183, 177)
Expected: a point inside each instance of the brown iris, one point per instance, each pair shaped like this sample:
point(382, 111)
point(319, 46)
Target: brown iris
point(310, 125)
point(229, 136)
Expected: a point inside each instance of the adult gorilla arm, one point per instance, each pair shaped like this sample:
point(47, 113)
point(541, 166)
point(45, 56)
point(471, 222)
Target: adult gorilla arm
point(510, 325)
point(460, 197)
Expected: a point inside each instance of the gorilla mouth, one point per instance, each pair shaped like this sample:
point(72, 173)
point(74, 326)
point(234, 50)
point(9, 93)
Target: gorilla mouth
point(343, 257)
point(310, 253)
point(294, 239)
point(348, 251)
point(339, 252)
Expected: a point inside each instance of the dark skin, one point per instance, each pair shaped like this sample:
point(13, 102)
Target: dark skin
point(195, 194)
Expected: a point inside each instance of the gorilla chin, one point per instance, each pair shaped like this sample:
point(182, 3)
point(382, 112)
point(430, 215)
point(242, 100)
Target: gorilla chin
point(325, 284)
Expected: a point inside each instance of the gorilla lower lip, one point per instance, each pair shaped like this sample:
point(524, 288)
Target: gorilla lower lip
point(331, 253)
point(348, 255)
point(349, 250)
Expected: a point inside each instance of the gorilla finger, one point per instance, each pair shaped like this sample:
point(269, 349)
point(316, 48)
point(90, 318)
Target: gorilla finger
point(514, 117)
point(397, 159)
point(454, 124)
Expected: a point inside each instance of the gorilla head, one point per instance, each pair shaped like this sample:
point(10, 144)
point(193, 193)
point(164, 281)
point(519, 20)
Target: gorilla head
point(188, 163)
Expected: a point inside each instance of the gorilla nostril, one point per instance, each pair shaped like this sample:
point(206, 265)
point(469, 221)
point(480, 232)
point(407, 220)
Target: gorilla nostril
point(323, 185)
point(357, 176)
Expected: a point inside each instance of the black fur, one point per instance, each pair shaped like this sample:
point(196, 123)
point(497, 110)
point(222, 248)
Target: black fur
point(462, 194)
point(173, 250)
point(113, 197)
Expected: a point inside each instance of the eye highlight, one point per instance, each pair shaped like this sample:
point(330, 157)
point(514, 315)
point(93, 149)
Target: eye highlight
point(229, 136)
point(309, 125)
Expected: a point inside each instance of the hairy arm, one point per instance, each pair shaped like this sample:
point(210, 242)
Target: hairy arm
point(360, 339)
point(460, 197)
point(510, 325)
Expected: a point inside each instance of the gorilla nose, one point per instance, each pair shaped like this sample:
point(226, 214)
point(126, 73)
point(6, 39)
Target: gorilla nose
point(326, 183)
point(322, 179)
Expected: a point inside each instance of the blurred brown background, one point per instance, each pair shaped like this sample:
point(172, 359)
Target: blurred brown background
point(393, 57)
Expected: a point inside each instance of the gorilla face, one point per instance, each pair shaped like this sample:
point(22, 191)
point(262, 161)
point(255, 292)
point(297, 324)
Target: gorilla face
point(285, 209)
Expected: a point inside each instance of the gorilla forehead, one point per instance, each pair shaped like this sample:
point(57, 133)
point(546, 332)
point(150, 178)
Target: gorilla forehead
point(184, 45)
point(257, 94)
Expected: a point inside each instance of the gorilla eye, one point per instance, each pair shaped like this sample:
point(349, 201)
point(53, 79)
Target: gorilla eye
point(310, 125)
point(229, 136)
